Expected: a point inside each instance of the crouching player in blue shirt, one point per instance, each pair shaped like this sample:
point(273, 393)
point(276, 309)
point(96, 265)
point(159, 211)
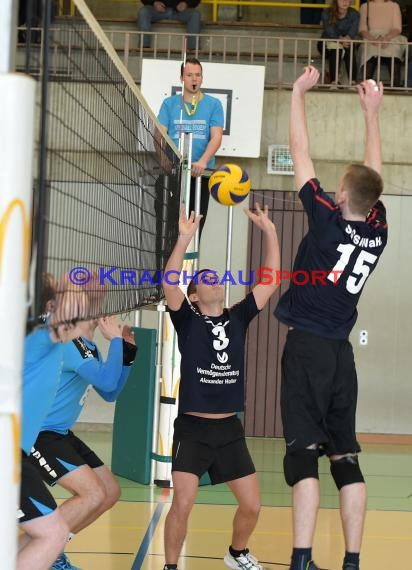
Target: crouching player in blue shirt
point(59, 455)
point(44, 531)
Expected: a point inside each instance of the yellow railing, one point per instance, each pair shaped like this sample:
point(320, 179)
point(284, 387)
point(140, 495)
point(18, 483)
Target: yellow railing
point(62, 7)
point(216, 3)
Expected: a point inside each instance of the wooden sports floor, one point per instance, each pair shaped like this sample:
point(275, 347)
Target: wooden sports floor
point(130, 536)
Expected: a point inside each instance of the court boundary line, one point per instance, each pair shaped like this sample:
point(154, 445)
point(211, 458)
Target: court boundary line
point(151, 529)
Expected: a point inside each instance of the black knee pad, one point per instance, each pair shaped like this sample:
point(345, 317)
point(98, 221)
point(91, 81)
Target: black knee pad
point(300, 464)
point(346, 471)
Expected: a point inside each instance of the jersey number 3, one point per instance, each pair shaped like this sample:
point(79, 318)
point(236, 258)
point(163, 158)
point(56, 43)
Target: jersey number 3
point(360, 271)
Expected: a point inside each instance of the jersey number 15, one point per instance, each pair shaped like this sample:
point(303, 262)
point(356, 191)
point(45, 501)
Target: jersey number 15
point(360, 271)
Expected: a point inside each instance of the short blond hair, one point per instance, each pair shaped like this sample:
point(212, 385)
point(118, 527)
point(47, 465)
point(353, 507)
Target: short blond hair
point(364, 186)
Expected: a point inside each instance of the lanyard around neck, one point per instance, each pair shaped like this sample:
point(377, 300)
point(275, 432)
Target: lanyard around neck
point(191, 110)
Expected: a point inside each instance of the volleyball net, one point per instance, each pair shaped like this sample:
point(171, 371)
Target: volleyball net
point(107, 186)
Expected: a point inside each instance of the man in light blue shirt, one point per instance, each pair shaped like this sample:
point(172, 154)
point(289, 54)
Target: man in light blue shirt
point(198, 113)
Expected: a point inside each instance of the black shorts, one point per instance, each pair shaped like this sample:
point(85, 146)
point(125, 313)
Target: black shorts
point(319, 393)
point(55, 455)
point(35, 499)
point(215, 446)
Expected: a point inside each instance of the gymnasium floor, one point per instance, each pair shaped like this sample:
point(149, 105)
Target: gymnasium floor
point(130, 536)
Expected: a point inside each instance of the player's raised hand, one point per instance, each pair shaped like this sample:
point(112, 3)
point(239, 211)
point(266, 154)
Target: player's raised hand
point(370, 95)
point(261, 218)
point(307, 80)
point(128, 335)
point(188, 226)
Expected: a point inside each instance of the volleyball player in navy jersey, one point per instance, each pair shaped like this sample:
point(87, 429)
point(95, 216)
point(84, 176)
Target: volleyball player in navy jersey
point(346, 237)
point(208, 436)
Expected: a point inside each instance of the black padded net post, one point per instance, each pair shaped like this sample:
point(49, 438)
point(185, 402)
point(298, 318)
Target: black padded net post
point(108, 184)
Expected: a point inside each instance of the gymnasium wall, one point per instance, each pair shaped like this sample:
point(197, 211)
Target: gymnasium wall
point(336, 128)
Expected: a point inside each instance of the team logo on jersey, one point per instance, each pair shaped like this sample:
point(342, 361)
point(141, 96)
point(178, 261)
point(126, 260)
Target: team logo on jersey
point(84, 350)
point(222, 358)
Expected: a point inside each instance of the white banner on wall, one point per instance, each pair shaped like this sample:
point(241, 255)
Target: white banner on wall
point(239, 87)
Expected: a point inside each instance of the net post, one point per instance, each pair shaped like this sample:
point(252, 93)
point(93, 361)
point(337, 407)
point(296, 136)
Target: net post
point(17, 101)
point(228, 251)
point(161, 308)
point(169, 356)
point(198, 189)
point(185, 147)
point(40, 227)
point(8, 21)
point(138, 313)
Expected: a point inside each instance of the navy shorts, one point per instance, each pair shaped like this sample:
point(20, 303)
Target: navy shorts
point(319, 394)
point(35, 499)
point(55, 454)
point(218, 447)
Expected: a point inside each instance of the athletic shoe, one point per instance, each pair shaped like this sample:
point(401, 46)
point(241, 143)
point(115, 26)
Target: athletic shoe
point(245, 562)
point(63, 563)
point(349, 566)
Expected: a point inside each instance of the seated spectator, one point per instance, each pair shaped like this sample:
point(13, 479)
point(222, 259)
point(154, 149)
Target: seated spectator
point(381, 24)
point(156, 10)
point(29, 16)
point(409, 69)
point(30, 19)
point(340, 24)
point(311, 16)
point(408, 26)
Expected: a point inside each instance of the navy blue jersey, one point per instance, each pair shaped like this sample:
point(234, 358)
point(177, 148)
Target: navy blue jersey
point(332, 264)
point(212, 349)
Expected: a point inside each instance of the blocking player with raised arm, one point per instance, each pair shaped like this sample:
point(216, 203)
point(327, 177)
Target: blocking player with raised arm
point(208, 436)
point(345, 239)
point(59, 455)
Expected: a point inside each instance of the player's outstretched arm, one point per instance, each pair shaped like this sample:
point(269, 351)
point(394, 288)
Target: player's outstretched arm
point(298, 130)
point(370, 95)
point(263, 291)
point(187, 229)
